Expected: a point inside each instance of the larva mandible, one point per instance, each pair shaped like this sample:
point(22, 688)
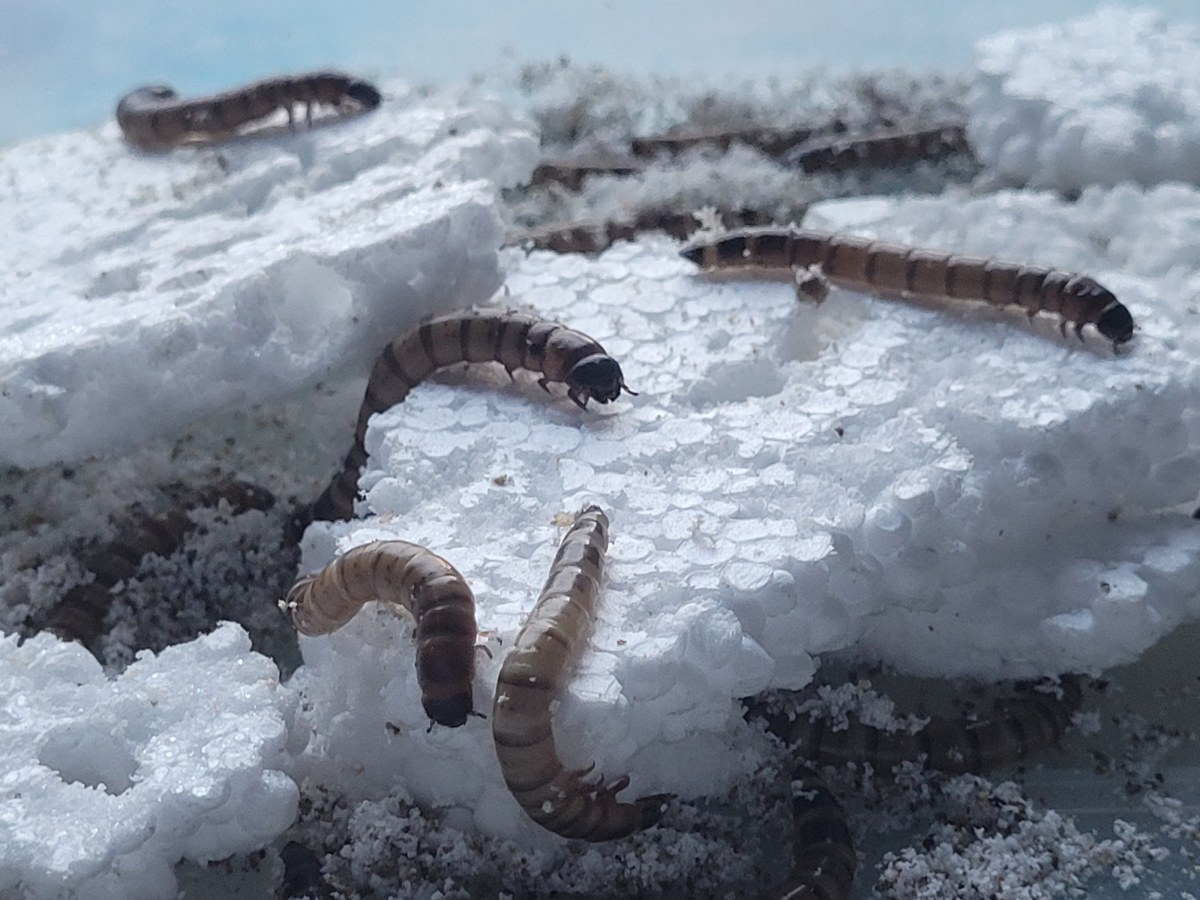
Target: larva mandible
point(513, 339)
point(550, 642)
point(154, 118)
point(416, 578)
point(823, 857)
point(895, 269)
point(883, 149)
point(1016, 729)
point(79, 615)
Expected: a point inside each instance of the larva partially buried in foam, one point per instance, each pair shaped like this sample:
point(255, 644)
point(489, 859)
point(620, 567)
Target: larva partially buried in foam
point(155, 118)
point(513, 339)
point(551, 641)
point(423, 583)
point(1015, 729)
point(894, 269)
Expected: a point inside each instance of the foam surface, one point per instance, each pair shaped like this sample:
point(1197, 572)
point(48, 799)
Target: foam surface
point(955, 492)
point(108, 783)
point(1102, 99)
point(238, 274)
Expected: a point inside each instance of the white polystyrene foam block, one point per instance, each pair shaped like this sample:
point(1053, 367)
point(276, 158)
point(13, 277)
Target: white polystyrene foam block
point(952, 491)
point(188, 281)
point(107, 784)
point(1106, 98)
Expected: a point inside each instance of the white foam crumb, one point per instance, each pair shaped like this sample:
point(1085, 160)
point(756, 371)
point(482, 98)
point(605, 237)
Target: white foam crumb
point(728, 845)
point(108, 783)
point(994, 842)
point(1116, 105)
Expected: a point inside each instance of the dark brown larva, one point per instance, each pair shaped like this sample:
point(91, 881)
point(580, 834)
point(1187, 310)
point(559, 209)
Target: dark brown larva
point(895, 269)
point(771, 141)
point(571, 173)
point(154, 118)
point(551, 641)
point(515, 340)
point(79, 615)
point(423, 583)
point(884, 149)
point(823, 856)
point(1016, 729)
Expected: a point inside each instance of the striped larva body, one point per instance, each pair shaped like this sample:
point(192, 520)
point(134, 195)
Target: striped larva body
point(79, 615)
point(1015, 730)
point(895, 269)
point(427, 586)
point(155, 118)
point(515, 340)
point(551, 641)
point(571, 173)
point(884, 149)
point(823, 856)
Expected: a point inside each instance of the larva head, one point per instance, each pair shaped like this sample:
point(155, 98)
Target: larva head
point(449, 711)
point(597, 377)
point(1115, 323)
point(365, 93)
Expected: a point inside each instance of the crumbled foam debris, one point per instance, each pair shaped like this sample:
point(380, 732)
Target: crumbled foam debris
point(1102, 99)
point(108, 783)
point(242, 272)
point(943, 491)
point(996, 843)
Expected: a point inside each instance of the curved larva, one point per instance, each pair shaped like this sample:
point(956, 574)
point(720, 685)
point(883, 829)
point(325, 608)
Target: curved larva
point(551, 641)
point(154, 118)
point(79, 615)
point(423, 583)
point(823, 856)
point(895, 269)
point(515, 340)
point(1015, 730)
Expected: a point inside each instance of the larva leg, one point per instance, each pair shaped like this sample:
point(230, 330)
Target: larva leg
point(811, 284)
point(427, 586)
point(551, 641)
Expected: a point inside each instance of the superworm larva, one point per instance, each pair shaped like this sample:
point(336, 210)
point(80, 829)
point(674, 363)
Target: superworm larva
point(1016, 729)
point(882, 149)
point(513, 339)
point(423, 583)
point(895, 269)
point(154, 118)
point(823, 856)
point(771, 141)
point(571, 173)
point(551, 641)
point(79, 615)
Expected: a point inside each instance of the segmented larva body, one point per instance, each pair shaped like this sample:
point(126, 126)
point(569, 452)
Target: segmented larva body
point(882, 150)
point(823, 857)
point(771, 141)
point(79, 615)
point(895, 269)
point(427, 586)
point(1015, 730)
point(571, 173)
point(551, 641)
point(513, 339)
point(154, 118)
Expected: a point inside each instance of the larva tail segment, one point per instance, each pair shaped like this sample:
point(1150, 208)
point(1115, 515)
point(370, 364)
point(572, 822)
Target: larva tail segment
point(551, 641)
point(895, 270)
point(431, 589)
point(823, 857)
point(79, 615)
point(365, 93)
point(1016, 729)
point(557, 353)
